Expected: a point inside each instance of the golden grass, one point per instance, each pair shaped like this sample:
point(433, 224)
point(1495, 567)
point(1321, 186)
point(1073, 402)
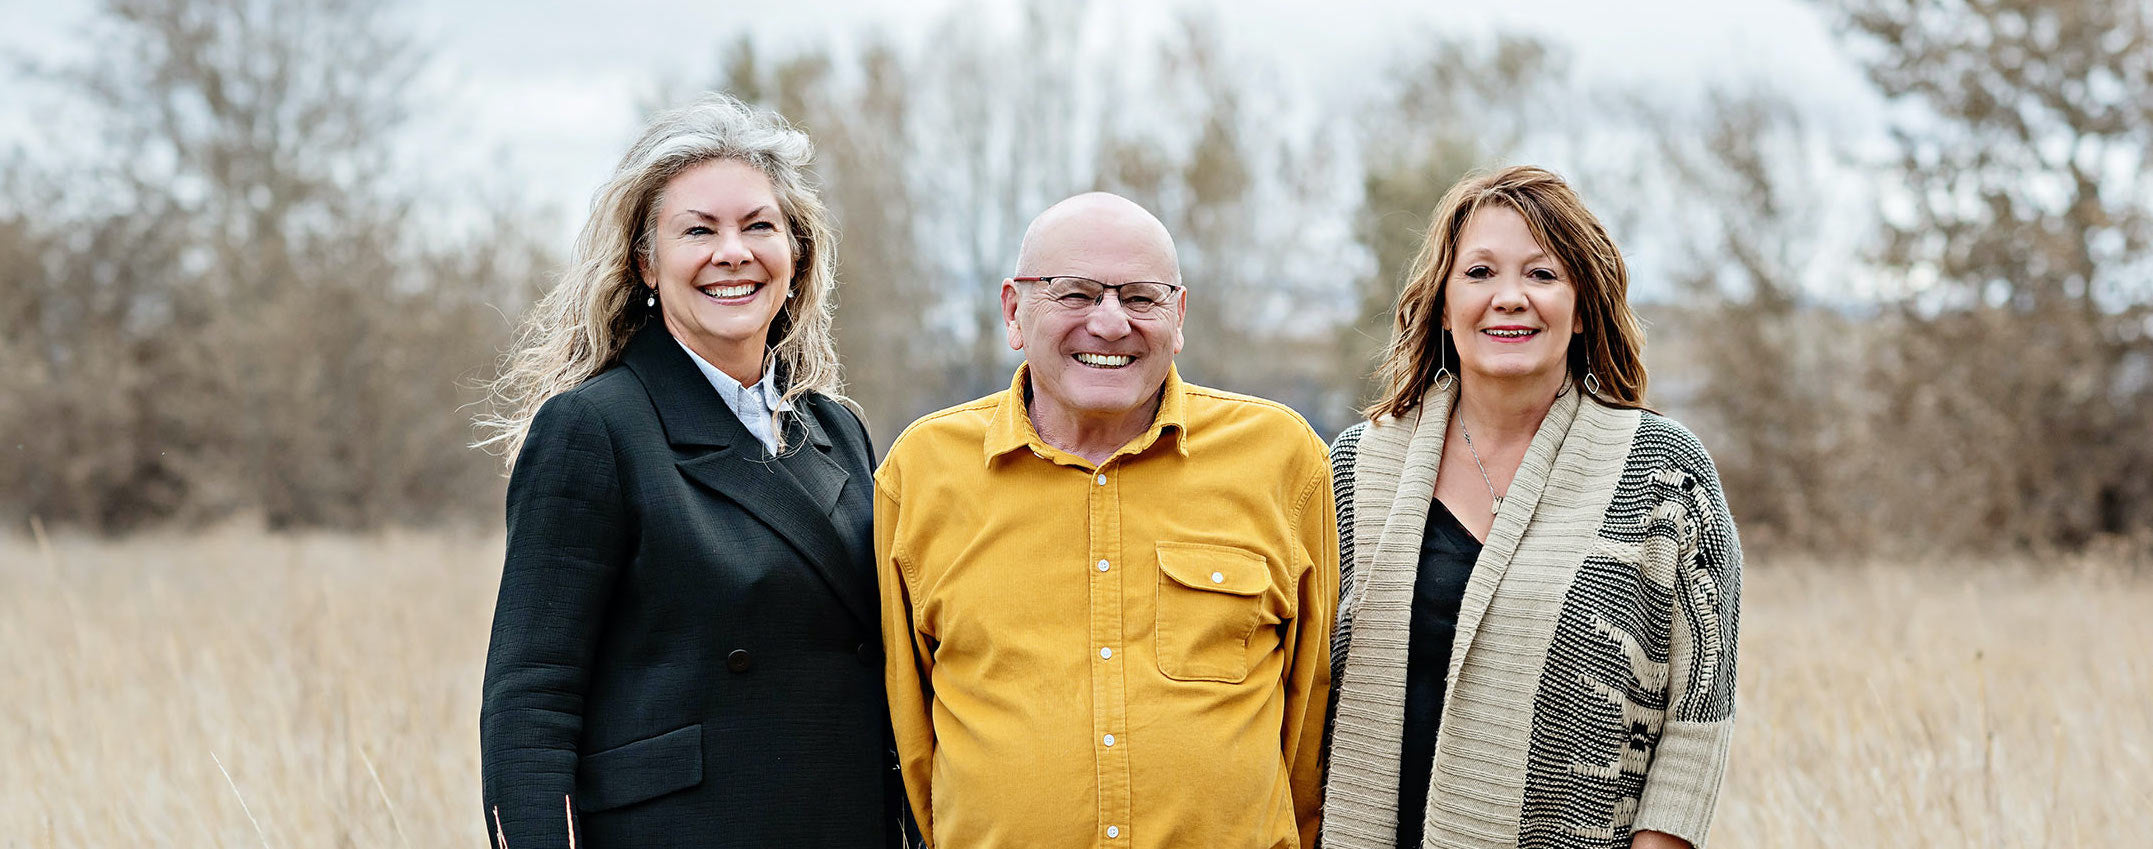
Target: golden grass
point(134, 667)
point(1953, 704)
point(336, 679)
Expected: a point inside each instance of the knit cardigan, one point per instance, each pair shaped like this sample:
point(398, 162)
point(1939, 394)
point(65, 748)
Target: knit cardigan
point(1591, 681)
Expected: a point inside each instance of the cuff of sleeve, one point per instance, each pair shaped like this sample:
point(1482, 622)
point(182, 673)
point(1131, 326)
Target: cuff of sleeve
point(1682, 788)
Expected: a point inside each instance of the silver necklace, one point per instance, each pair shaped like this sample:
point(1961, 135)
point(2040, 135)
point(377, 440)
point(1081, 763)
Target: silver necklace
point(1497, 499)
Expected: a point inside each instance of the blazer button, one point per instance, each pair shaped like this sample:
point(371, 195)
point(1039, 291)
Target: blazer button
point(870, 654)
point(739, 661)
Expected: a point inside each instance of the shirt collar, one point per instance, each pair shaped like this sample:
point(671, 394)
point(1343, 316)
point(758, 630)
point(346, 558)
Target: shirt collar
point(764, 394)
point(1011, 428)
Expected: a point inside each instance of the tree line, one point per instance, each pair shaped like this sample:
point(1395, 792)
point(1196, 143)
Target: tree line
point(241, 312)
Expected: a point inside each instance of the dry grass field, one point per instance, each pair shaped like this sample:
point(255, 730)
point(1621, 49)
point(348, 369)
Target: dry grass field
point(231, 689)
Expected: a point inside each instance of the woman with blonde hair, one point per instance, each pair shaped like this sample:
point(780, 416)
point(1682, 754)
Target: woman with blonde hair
point(1536, 643)
point(685, 651)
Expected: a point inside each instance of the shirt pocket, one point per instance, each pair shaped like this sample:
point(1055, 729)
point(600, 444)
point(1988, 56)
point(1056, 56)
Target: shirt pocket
point(1210, 600)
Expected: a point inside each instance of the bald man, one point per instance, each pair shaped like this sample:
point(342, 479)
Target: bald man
point(1107, 594)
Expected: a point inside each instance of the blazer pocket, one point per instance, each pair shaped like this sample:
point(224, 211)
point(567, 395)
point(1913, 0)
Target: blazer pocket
point(640, 771)
point(1210, 597)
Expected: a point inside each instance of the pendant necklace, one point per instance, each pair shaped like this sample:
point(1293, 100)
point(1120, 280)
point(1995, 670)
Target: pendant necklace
point(1497, 499)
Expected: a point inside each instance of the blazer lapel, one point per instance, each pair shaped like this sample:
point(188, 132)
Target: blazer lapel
point(771, 494)
point(816, 471)
point(794, 500)
point(819, 474)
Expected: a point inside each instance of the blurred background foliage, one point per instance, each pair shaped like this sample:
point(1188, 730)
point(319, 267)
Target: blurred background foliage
point(238, 312)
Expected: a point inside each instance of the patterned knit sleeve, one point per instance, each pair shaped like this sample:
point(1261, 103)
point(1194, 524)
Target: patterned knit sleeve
point(1343, 450)
point(1342, 454)
point(1682, 787)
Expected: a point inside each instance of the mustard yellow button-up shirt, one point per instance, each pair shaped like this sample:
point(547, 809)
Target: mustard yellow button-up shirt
point(1130, 655)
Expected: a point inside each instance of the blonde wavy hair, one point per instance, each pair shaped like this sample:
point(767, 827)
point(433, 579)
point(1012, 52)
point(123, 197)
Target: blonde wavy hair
point(580, 327)
point(1611, 348)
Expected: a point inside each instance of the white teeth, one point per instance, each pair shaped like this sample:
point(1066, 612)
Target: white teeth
point(729, 291)
point(1510, 334)
point(1105, 360)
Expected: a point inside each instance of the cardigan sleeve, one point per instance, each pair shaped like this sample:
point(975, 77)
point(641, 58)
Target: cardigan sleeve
point(1343, 452)
point(1682, 785)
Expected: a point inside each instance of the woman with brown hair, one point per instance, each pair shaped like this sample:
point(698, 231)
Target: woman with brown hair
point(1536, 641)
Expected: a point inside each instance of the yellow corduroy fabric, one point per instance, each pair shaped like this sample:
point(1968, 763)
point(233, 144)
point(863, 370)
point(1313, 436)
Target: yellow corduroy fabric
point(1132, 655)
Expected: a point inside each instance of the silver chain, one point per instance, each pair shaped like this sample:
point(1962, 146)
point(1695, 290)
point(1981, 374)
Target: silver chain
point(1497, 499)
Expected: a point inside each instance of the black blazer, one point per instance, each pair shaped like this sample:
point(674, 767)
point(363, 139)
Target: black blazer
point(686, 646)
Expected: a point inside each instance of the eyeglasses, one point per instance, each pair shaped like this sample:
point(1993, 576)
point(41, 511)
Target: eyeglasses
point(1077, 294)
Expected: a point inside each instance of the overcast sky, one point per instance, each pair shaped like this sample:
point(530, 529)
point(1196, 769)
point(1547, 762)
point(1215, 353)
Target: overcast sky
point(550, 89)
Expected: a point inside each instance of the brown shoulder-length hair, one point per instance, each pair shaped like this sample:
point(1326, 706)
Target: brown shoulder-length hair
point(1612, 344)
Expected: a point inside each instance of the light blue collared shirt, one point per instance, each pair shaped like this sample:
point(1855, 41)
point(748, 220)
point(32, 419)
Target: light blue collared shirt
point(756, 406)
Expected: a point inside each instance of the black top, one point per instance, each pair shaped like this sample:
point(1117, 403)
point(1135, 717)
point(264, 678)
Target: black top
point(687, 646)
point(1447, 552)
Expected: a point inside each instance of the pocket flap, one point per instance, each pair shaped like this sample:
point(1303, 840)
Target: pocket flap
point(1218, 568)
point(644, 769)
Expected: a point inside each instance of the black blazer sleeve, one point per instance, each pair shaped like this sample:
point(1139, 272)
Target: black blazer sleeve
point(569, 534)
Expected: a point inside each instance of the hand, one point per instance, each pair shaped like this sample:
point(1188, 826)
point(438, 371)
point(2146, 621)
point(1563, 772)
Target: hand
point(1657, 840)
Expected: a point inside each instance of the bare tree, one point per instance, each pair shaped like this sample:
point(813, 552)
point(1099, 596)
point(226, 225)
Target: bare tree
point(2023, 359)
point(1779, 372)
point(239, 317)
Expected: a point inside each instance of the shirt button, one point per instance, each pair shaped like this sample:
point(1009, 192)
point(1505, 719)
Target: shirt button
point(1102, 565)
point(1218, 577)
point(1102, 480)
point(1106, 654)
point(739, 661)
point(1110, 741)
point(1113, 831)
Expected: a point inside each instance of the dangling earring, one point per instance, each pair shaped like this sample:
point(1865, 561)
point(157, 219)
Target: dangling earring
point(651, 301)
point(1592, 381)
point(1443, 376)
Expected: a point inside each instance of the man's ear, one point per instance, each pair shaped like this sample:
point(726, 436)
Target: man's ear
point(1181, 318)
point(1010, 327)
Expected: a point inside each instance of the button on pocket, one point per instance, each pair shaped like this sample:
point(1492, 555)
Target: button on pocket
point(1210, 602)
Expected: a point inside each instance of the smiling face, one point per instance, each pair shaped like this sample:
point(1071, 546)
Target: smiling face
point(722, 263)
point(1095, 363)
point(1510, 305)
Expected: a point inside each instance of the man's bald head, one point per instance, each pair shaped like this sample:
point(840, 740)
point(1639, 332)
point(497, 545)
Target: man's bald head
point(1094, 366)
point(1096, 226)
